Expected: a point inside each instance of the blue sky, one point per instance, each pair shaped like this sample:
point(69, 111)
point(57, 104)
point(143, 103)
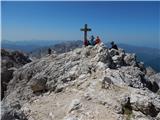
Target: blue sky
point(135, 23)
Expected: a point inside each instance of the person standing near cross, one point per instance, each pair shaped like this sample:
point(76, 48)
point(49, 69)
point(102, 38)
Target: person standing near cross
point(85, 29)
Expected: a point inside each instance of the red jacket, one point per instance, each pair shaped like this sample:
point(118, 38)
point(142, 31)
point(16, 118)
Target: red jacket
point(97, 41)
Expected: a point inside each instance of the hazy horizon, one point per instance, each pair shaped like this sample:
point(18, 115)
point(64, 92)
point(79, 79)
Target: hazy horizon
point(62, 41)
point(133, 23)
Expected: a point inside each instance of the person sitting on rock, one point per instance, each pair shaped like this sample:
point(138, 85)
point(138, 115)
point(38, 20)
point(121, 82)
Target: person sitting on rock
point(114, 46)
point(97, 41)
point(92, 41)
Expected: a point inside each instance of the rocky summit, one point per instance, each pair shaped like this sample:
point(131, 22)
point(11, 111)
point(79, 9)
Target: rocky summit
point(88, 83)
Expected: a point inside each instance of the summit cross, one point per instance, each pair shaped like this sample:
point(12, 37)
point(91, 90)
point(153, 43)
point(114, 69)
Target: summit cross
point(85, 29)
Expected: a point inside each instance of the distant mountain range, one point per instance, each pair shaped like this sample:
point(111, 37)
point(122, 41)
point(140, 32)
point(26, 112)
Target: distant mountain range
point(27, 45)
point(150, 56)
point(58, 48)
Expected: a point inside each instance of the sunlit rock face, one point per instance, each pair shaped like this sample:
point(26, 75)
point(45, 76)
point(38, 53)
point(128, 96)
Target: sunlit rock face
point(88, 83)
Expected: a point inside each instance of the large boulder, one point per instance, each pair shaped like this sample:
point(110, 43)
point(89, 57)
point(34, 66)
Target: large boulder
point(113, 52)
point(129, 75)
point(130, 59)
point(102, 55)
point(146, 102)
point(155, 82)
point(38, 83)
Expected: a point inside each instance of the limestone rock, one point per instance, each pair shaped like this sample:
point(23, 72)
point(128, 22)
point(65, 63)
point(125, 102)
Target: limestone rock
point(155, 78)
point(113, 52)
point(10, 60)
point(145, 102)
point(158, 116)
point(139, 116)
point(130, 59)
point(88, 83)
point(38, 82)
point(75, 104)
point(150, 71)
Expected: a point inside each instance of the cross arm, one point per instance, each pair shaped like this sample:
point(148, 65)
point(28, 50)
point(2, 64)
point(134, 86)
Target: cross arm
point(82, 29)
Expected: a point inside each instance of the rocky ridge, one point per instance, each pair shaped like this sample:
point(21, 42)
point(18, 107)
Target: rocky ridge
point(57, 48)
point(88, 83)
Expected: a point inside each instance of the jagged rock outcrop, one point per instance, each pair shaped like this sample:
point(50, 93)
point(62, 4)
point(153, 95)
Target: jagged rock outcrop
point(155, 82)
point(150, 71)
point(88, 83)
point(10, 61)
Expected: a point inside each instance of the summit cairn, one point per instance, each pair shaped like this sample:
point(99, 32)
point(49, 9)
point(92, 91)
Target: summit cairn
point(88, 83)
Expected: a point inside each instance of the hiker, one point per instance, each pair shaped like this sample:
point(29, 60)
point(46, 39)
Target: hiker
point(92, 41)
point(114, 46)
point(97, 41)
point(86, 42)
point(49, 51)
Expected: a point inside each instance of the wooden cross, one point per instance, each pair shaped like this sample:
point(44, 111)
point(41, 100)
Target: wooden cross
point(85, 29)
